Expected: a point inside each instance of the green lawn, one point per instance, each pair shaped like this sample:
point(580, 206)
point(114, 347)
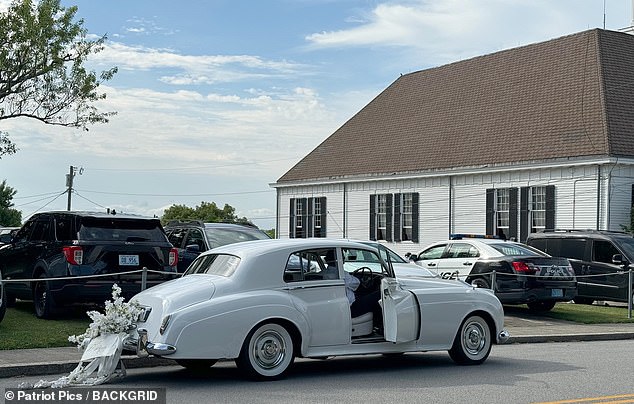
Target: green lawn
point(580, 313)
point(20, 328)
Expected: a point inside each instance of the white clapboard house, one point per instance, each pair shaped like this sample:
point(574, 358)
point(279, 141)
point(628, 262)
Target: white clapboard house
point(531, 138)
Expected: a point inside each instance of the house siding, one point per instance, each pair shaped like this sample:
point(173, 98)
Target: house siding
point(576, 203)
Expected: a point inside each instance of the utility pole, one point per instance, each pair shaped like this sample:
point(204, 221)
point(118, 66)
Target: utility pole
point(69, 184)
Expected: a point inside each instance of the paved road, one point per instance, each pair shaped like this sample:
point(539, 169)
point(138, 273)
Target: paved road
point(516, 373)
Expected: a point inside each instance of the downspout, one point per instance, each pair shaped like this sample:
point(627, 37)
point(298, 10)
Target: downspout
point(450, 206)
point(277, 213)
point(598, 196)
point(345, 215)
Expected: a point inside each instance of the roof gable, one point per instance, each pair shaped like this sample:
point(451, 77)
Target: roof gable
point(561, 98)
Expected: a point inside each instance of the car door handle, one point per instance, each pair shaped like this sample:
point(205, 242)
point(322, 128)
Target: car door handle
point(467, 263)
point(431, 264)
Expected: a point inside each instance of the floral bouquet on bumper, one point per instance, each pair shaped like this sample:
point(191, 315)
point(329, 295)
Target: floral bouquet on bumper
point(102, 344)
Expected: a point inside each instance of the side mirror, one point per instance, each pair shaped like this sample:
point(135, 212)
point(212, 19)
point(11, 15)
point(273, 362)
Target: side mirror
point(618, 259)
point(192, 248)
point(411, 257)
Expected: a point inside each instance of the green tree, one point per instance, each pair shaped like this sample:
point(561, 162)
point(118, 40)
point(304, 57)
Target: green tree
point(206, 211)
point(629, 228)
point(8, 215)
point(42, 74)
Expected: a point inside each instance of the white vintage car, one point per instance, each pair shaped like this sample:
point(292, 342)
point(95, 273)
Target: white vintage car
point(262, 303)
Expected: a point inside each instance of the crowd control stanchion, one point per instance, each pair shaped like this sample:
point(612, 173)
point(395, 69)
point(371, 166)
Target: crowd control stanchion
point(144, 278)
point(493, 280)
point(629, 294)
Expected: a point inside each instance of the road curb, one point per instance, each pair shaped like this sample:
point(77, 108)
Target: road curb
point(38, 369)
point(570, 337)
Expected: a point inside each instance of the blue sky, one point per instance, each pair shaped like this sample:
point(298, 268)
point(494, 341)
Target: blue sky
point(218, 99)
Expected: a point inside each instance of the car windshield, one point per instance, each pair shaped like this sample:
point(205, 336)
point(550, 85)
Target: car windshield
point(96, 229)
point(517, 249)
point(627, 244)
point(222, 236)
point(394, 257)
point(214, 264)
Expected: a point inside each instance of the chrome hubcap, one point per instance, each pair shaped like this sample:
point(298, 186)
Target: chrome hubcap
point(269, 349)
point(474, 338)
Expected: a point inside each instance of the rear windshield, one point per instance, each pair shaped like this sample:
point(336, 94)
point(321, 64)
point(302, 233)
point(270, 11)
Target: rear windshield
point(214, 264)
point(218, 237)
point(101, 229)
point(517, 249)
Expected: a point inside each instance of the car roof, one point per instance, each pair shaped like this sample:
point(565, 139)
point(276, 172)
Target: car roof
point(210, 225)
point(262, 246)
point(572, 233)
point(100, 215)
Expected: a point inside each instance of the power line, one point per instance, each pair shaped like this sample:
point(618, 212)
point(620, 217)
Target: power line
point(178, 195)
point(189, 168)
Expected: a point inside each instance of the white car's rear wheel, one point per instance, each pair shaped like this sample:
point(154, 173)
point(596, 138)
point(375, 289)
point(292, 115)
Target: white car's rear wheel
point(267, 352)
point(473, 342)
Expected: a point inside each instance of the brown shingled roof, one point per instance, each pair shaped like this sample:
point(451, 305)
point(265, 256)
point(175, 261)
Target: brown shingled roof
point(567, 97)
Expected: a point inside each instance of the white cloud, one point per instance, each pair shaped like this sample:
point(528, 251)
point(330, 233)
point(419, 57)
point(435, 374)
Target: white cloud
point(195, 69)
point(452, 29)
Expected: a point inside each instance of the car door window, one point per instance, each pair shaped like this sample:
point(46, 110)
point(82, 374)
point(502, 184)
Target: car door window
point(602, 251)
point(195, 237)
point(41, 231)
point(63, 228)
point(461, 250)
point(432, 253)
point(311, 265)
point(176, 237)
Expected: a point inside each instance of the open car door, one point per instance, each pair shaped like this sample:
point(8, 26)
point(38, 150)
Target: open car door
point(401, 317)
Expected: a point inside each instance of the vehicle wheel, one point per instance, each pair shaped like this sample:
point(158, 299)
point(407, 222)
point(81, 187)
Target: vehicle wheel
point(541, 306)
point(42, 299)
point(583, 300)
point(267, 352)
point(196, 365)
point(481, 283)
point(473, 342)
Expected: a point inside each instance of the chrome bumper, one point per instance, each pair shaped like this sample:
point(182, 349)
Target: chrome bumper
point(503, 336)
point(145, 348)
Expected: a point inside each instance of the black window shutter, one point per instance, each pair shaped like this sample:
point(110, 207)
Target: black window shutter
point(388, 225)
point(291, 219)
point(490, 211)
point(524, 225)
point(309, 217)
point(398, 225)
point(304, 217)
point(513, 213)
point(373, 217)
point(550, 207)
point(324, 216)
point(415, 217)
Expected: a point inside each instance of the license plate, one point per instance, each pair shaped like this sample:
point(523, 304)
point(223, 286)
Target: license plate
point(129, 260)
point(557, 293)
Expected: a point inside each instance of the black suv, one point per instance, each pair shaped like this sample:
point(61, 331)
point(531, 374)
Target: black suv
point(191, 237)
point(600, 259)
point(70, 244)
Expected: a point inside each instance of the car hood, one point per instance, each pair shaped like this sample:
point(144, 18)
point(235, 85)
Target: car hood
point(178, 293)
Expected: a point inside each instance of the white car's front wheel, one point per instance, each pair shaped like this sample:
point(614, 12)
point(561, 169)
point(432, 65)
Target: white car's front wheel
point(267, 352)
point(473, 342)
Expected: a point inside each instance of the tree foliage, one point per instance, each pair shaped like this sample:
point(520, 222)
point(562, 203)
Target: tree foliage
point(629, 228)
point(206, 211)
point(42, 74)
point(8, 215)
